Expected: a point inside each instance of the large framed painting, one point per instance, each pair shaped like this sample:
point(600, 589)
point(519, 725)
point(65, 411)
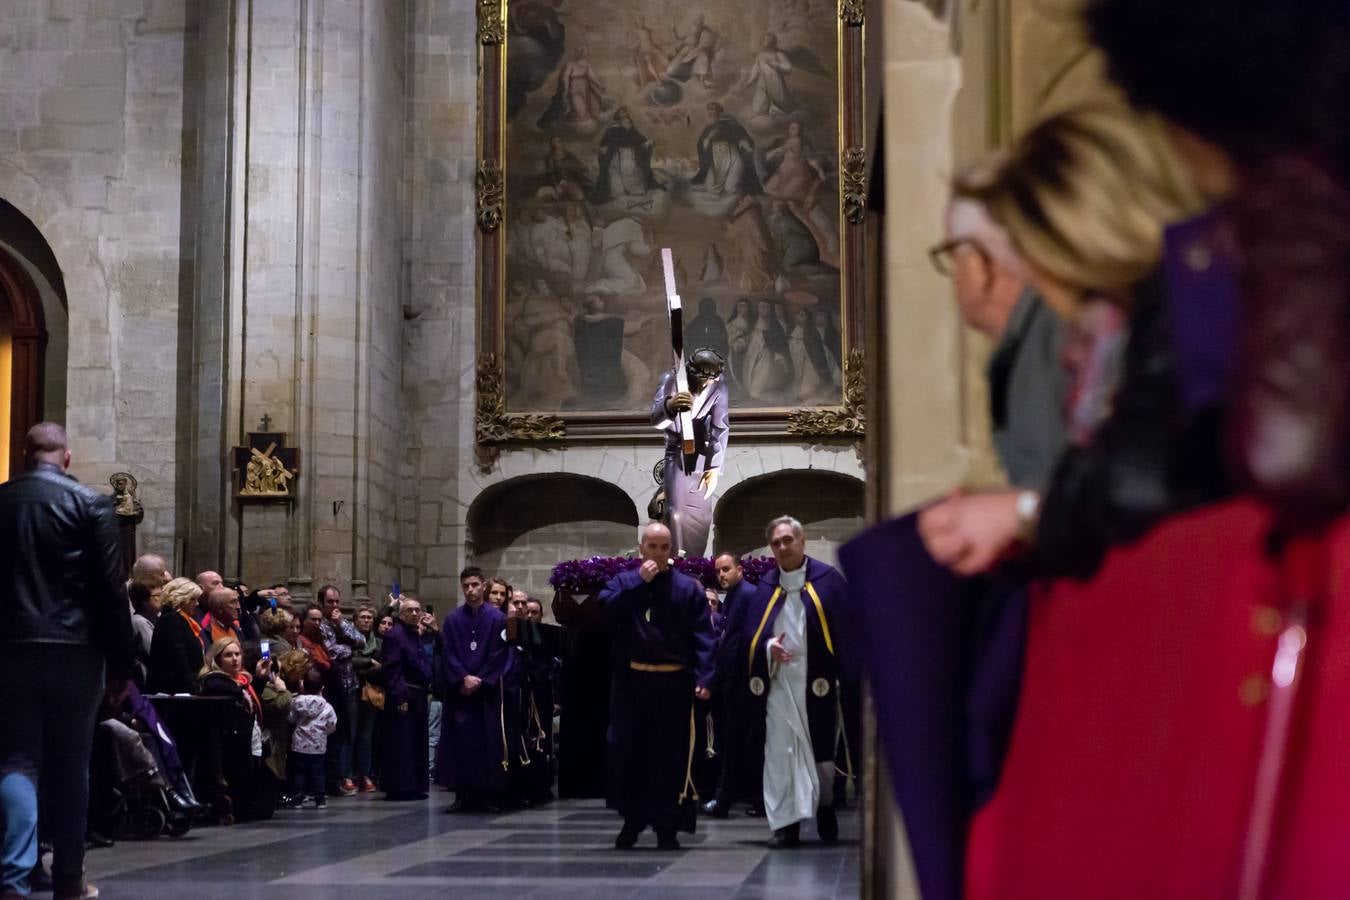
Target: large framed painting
point(730, 133)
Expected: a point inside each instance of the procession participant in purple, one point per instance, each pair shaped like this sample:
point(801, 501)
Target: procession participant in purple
point(794, 662)
point(708, 720)
point(403, 722)
point(742, 743)
point(663, 651)
point(471, 759)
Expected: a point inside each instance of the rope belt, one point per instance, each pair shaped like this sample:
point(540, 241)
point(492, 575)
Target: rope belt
point(656, 667)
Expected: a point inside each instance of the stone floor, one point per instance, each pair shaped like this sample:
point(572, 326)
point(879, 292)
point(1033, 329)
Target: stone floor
point(366, 848)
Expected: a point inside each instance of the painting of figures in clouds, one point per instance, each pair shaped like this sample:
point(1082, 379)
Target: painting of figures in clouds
point(709, 128)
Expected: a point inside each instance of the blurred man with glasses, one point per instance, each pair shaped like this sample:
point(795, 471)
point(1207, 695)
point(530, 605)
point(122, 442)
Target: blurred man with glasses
point(995, 297)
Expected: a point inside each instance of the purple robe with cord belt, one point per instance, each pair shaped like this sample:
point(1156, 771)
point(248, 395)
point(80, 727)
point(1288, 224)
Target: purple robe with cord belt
point(403, 736)
point(742, 742)
point(663, 649)
point(472, 752)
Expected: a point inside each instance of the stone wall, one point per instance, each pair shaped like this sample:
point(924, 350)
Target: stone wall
point(266, 209)
point(520, 529)
point(91, 151)
point(309, 328)
point(829, 506)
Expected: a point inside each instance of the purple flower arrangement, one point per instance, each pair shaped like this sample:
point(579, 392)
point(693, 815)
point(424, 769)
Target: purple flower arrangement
point(588, 576)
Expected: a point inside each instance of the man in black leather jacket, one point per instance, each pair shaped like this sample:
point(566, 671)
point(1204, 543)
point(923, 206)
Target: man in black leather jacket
point(64, 605)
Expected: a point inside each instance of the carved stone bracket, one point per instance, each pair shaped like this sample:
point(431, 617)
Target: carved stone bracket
point(853, 12)
point(847, 421)
point(853, 186)
point(491, 191)
point(490, 27)
point(493, 424)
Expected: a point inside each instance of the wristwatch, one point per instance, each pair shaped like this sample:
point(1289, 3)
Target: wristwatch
point(1028, 514)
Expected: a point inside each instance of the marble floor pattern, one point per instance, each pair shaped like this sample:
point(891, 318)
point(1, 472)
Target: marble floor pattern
point(367, 848)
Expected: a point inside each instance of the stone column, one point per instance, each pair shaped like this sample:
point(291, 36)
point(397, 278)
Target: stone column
point(302, 152)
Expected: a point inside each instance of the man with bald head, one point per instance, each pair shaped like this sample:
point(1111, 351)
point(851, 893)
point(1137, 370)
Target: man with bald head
point(663, 653)
point(222, 615)
point(151, 571)
point(994, 295)
point(63, 600)
point(209, 580)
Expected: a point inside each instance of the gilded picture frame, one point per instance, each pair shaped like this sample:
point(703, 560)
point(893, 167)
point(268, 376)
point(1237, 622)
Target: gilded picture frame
point(562, 357)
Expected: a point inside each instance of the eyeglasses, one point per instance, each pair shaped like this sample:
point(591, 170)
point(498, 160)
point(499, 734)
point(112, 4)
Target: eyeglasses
point(943, 255)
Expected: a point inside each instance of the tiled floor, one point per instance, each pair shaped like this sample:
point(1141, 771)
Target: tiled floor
point(366, 848)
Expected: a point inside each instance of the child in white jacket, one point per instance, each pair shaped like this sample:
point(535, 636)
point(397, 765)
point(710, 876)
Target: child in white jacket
point(314, 720)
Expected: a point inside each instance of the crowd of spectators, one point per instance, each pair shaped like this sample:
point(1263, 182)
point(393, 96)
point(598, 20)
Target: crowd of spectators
point(306, 686)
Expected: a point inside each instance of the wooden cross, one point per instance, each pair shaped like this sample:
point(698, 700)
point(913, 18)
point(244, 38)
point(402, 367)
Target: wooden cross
point(266, 422)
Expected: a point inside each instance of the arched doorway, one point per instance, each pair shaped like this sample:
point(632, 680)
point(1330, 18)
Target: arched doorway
point(23, 340)
point(521, 528)
point(33, 335)
point(828, 504)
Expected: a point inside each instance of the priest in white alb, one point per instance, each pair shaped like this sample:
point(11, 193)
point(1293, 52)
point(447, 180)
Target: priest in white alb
point(795, 658)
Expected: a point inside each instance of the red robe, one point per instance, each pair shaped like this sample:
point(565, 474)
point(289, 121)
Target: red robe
point(1145, 711)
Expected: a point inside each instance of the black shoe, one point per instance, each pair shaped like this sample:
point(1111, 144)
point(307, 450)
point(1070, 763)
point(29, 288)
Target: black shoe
point(788, 836)
point(39, 880)
point(458, 806)
point(827, 825)
point(628, 837)
point(491, 807)
point(93, 840)
point(180, 804)
point(667, 841)
point(755, 811)
point(717, 809)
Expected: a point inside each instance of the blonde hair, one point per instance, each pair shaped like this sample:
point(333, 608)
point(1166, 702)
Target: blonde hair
point(1085, 195)
point(209, 661)
point(180, 593)
point(293, 665)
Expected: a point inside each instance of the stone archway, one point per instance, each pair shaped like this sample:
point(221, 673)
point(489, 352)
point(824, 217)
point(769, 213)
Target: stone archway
point(23, 340)
point(34, 320)
point(828, 504)
point(518, 529)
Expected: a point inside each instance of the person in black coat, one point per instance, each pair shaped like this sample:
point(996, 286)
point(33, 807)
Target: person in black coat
point(67, 625)
point(176, 648)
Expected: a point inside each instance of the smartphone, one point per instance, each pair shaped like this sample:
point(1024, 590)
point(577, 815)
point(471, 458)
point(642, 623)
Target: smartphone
point(266, 647)
point(394, 591)
point(428, 609)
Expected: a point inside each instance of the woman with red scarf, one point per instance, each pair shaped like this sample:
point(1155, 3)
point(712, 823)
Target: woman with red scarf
point(240, 738)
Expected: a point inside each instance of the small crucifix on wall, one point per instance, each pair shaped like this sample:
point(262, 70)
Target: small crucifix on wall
point(265, 469)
